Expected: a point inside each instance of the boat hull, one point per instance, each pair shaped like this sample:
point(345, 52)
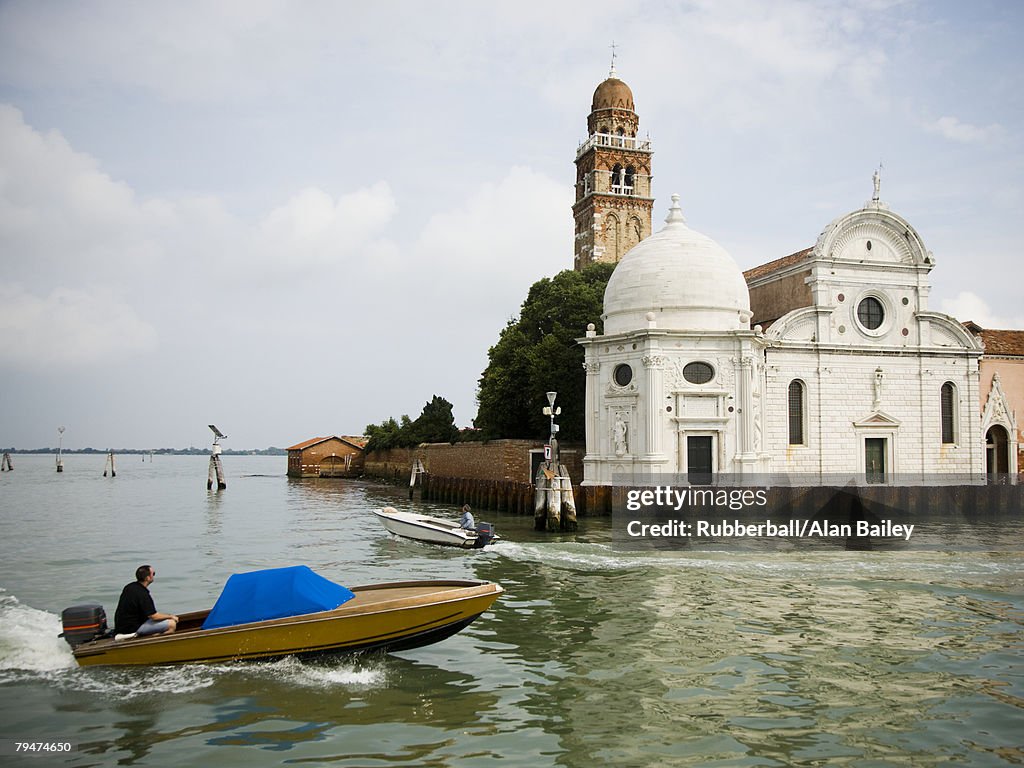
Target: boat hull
point(386, 617)
point(429, 529)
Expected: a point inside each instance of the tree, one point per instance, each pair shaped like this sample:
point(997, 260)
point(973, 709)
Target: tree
point(435, 424)
point(384, 435)
point(538, 353)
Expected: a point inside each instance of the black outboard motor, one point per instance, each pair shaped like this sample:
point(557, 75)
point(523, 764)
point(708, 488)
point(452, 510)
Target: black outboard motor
point(83, 623)
point(484, 534)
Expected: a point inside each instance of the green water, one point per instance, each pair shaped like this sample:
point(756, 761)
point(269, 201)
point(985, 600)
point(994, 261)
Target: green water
point(593, 657)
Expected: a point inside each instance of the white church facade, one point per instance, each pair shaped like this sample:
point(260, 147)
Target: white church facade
point(824, 366)
point(861, 380)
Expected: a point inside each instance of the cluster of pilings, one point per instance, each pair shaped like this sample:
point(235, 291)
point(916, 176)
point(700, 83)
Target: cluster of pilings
point(501, 495)
point(554, 505)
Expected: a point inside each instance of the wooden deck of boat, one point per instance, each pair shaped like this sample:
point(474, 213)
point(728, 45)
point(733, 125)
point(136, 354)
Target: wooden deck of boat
point(377, 593)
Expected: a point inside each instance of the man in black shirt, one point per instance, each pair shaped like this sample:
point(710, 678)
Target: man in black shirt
point(136, 613)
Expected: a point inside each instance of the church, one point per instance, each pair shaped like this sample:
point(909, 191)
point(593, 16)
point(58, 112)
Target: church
point(824, 366)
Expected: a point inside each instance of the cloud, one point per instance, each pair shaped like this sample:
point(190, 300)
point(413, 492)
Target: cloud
point(68, 326)
point(59, 211)
point(969, 306)
point(965, 133)
point(503, 230)
point(315, 229)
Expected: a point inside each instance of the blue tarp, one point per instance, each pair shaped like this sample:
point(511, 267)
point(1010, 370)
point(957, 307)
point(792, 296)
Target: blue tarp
point(274, 594)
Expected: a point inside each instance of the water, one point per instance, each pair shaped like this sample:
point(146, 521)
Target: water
point(593, 657)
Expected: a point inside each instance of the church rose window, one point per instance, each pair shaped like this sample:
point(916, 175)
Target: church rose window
point(623, 375)
point(870, 313)
point(698, 373)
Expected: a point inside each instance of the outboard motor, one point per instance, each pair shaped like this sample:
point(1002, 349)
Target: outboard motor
point(83, 623)
point(484, 534)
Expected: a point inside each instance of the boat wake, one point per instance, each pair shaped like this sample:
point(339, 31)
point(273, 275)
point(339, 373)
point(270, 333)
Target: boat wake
point(834, 564)
point(28, 641)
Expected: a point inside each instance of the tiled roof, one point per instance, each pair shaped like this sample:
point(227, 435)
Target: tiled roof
point(1003, 343)
point(774, 266)
point(358, 442)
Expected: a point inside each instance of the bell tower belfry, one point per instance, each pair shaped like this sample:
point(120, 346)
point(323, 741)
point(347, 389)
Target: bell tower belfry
point(613, 204)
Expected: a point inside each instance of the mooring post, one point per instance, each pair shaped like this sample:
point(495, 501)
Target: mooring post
point(5, 463)
point(568, 502)
point(60, 446)
point(109, 465)
point(417, 470)
point(554, 507)
point(216, 474)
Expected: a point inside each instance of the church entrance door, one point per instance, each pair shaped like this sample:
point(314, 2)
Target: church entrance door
point(875, 449)
point(699, 464)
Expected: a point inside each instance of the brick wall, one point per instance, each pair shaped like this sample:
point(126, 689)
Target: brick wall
point(491, 460)
point(770, 301)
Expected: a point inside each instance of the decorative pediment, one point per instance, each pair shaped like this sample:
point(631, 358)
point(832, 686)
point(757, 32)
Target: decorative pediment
point(878, 419)
point(873, 234)
point(997, 409)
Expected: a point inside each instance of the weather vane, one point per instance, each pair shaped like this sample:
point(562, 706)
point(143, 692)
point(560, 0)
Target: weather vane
point(612, 72)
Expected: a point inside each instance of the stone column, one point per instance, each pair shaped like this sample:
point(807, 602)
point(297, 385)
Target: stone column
point(652, 405)
point(592, 417)
point(745, 396)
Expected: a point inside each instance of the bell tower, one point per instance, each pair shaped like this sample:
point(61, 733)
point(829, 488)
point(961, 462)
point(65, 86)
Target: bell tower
point(613, 204)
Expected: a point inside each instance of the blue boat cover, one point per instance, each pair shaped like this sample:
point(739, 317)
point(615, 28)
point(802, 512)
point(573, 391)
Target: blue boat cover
point(274, 594)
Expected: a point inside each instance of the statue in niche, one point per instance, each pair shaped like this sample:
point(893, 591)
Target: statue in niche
point(620, 434)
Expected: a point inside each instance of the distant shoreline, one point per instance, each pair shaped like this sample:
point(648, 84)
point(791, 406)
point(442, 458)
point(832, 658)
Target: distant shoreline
point(144, 451)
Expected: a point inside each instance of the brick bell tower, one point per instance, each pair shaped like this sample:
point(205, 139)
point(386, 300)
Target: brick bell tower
point(613, 178)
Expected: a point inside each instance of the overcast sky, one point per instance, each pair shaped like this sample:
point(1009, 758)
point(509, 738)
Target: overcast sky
point(293, 219)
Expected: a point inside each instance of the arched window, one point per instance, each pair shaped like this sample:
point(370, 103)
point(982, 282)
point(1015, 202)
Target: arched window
point(947, 406)
point(630, 173)
point(796, 412)
point(618, 179)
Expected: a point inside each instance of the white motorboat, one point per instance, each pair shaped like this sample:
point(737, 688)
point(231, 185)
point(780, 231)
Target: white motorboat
point(435, 530)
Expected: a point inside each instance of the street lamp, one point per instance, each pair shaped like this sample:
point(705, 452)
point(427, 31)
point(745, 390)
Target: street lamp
point(551, 411)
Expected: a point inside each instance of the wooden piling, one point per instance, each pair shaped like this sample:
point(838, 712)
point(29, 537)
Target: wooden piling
point(109, 465)
point(5, 463)
point(216, 473)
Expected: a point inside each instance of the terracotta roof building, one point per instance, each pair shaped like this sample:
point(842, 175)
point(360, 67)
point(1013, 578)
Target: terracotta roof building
point(332, 456)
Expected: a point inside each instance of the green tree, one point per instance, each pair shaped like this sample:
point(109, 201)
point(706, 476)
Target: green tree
point(435, 424)
point(537, 353)
point(384, 435)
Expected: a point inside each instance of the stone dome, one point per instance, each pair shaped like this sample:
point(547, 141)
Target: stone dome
point(612, 94)
point(676, 279)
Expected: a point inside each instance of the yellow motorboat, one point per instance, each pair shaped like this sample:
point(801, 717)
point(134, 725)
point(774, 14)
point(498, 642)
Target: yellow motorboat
point(380, 617)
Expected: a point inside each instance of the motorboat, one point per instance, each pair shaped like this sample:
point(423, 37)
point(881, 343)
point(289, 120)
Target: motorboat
point(435, 529)
point(266, 615)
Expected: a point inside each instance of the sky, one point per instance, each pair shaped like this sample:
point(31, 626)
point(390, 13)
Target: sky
point(294, 219)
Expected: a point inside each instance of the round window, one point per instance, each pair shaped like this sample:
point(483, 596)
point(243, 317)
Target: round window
point(698, 373)
point(623, 375)
point(870, 313)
